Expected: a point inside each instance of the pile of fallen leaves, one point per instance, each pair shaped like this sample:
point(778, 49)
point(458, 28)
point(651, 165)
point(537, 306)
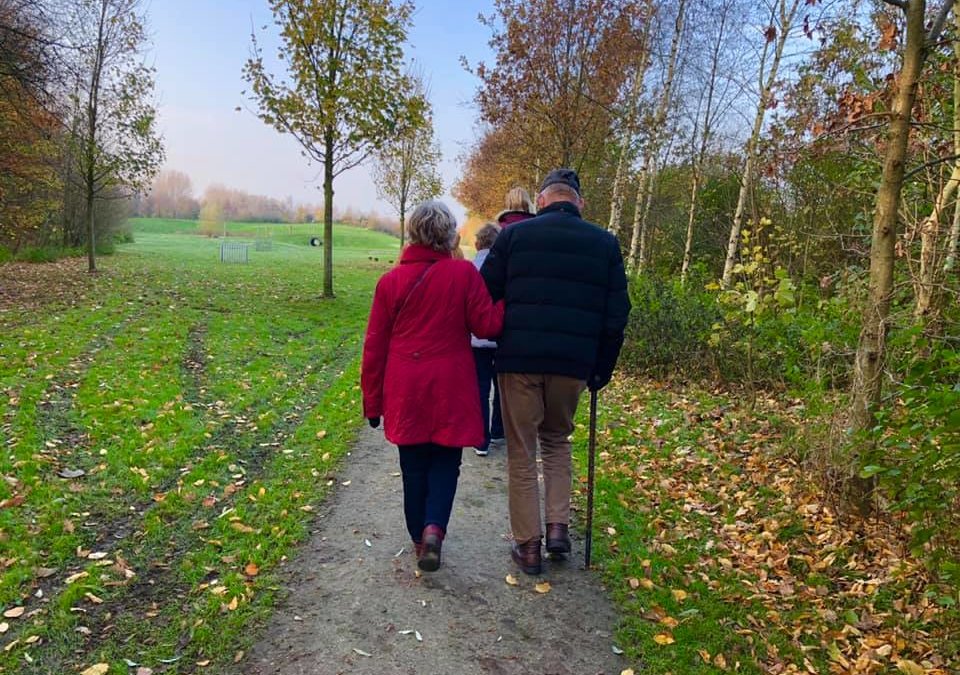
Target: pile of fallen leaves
point(729, 518)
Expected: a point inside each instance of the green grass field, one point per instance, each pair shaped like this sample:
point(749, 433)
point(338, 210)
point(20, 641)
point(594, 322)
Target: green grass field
point(168, 427)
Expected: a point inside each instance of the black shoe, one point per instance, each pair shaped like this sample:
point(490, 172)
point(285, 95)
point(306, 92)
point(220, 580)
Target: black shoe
point(430, 548)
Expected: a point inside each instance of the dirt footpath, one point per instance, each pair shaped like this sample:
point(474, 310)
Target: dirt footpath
point(356, 606)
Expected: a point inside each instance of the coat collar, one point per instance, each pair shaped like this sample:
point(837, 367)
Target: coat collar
point(417, 253)
point(566, 207)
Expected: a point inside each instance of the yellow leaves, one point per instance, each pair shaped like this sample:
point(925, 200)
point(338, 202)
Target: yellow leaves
point(634, 583)
point(14, 612)
point(663, 639)
point(678, 594)
point(626, 671)
point(511, 580)
point(910, 667)
point(240, 527)
point(97, 669)
point(543, 587)
point(233, 604)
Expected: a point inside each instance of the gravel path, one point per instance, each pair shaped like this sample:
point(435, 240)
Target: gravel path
point(350, 604)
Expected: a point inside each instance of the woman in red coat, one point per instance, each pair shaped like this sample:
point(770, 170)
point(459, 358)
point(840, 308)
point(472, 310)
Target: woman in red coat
point(418, 372)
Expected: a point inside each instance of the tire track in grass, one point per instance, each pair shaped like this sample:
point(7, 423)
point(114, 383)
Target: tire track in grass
point(165, 571)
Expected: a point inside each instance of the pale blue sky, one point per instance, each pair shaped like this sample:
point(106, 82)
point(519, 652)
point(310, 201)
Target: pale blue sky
point(200, 47)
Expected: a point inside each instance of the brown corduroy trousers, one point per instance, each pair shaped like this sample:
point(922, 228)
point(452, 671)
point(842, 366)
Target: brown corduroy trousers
point(538, 407)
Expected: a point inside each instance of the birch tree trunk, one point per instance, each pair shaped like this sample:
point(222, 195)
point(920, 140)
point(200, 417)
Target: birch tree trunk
point(701, 155)
point(788, 12)
point(928, 287)
point(951, 256)
point(637, 256)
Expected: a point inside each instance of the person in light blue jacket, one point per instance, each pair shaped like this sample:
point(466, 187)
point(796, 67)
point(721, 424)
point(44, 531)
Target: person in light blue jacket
point(483, 357)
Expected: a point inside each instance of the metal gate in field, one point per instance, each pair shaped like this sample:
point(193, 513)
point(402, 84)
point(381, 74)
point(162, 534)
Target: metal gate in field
point(234, 252)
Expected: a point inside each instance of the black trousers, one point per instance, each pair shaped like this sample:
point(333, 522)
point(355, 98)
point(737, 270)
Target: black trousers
point(430, 473)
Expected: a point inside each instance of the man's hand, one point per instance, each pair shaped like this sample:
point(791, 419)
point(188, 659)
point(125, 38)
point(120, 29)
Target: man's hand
point(374, 422)
point(597, 382)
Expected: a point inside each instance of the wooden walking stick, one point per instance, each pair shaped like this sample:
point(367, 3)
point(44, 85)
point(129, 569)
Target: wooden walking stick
point(588, 545)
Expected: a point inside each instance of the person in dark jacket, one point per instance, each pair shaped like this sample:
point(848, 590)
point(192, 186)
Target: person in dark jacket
point(416, 367)
point(519, 207)
point(566, 310)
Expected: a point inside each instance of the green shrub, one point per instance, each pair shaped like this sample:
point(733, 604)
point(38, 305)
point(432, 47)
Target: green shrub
point(669, 327)
point(46, 254)
point(915, 454)
point(5, 255)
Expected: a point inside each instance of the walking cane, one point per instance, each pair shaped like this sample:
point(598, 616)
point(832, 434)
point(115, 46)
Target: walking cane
point(590, 471)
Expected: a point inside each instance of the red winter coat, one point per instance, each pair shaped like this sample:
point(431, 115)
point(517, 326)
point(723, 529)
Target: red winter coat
point(418, 371)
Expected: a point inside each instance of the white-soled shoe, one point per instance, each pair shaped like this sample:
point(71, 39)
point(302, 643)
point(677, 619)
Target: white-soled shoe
point(481, 453)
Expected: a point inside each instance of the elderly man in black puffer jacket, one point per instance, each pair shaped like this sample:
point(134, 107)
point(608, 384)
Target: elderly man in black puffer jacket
point(566, 310)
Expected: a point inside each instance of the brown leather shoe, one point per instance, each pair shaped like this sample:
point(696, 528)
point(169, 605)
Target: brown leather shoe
point(527, 556)
point(430, 548)
point(558, 539)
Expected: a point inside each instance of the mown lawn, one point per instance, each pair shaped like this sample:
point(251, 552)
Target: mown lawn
point(168, 427)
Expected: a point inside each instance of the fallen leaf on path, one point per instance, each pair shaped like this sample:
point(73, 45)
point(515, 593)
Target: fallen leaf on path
point(97, 669)
point(361, 652)
point(543, 587)
point(4, 627)
point(663, 639)
point(366, 542)
point(93, 598)
point(71, 473)
point(14, 612)
point(511, 580)
point(417, 635)
point(240, 527)
point(705, 655)
point(346, 483)
point(76, 577)
point(627, 671)
point(234, 603)
point(45, 572)
point(679, 595)
point(616, 650)
point(99, 555)
point(395, 474)
point(634, 583)
point(251, 570)
point(204, 663)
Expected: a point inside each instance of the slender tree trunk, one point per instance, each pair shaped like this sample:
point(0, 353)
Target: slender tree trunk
point(638, 242)
point(328, 214)
point(868, 366)
point(749, 168)
point(701, 155)
point(90, 148)
point(927, 306)
point(403, 221)
point(620, 179)
point(951, 255)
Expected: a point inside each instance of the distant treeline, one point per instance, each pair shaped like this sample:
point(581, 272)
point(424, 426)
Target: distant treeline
point(172, 196)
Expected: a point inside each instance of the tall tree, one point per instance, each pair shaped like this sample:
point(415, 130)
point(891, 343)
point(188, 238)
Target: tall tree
point(117, 148)
point(407, 167)
point(344, 91)
point(554, 93)
point(871, 350)
point(783, 13)
point(703, 128)
point(637, 258)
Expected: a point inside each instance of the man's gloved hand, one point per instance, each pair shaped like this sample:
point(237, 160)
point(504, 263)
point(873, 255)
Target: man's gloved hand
point(374, 422)
point(598, 382)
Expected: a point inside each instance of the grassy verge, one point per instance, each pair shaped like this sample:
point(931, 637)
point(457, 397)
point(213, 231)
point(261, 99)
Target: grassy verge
point(167, 438)
point(723, 557)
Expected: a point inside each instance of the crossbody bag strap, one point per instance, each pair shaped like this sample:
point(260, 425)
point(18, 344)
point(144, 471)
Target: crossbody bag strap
point(403, 303)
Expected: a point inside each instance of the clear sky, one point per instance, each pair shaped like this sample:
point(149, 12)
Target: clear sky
point(199, 48)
